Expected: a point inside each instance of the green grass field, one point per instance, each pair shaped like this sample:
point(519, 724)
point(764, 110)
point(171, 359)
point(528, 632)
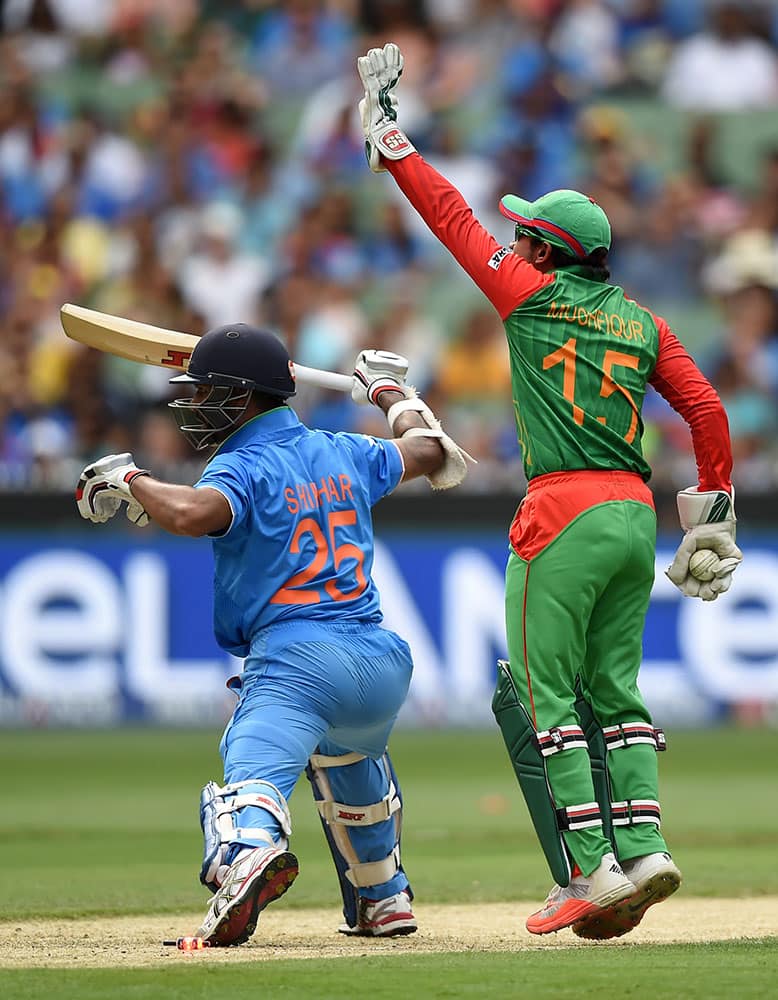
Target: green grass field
point(106, 823)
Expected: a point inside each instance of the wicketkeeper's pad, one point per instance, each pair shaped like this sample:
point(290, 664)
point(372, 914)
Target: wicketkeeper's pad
point(616, 739)
point(528, 750)
point(218, 808)
point(598, 759)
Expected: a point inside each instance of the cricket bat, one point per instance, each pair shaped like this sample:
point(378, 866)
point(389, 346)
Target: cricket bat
point(153, 345)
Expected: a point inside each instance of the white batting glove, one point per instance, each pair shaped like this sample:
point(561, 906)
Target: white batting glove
point(375, 372)
point(380, 71)
point(709, 521)
point(104, 485)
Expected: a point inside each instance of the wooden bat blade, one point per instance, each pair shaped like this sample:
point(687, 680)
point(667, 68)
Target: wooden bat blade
point(127, 338)
point(154, 345)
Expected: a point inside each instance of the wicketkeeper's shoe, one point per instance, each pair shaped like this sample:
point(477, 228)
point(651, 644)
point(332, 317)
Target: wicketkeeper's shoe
point(253, 881)
point(388, 917)
point(584, 896)
point(655, 876)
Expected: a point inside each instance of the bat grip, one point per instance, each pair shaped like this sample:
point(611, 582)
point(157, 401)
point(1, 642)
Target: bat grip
point(325, 380)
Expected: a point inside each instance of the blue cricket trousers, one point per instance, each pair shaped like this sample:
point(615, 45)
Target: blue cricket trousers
point(332, 686)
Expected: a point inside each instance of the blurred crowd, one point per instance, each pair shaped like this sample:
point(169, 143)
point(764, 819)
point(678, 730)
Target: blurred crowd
point(190, 164)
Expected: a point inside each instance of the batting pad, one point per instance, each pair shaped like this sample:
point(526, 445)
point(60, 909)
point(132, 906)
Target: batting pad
point(218, 809)
point(353, 777)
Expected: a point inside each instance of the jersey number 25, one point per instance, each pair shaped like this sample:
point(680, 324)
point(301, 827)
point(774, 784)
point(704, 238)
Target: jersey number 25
point(294, 590)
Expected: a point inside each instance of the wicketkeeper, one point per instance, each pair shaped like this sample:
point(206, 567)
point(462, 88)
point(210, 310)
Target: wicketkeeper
point(582, 543)
point(288, 510)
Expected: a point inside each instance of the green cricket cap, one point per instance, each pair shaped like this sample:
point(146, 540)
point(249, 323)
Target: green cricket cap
point(567, 219)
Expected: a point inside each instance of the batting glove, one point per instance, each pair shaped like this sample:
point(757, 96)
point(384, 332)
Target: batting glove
point(380, 71)
point(104, 485)
point(709, 520)
point(375, 372)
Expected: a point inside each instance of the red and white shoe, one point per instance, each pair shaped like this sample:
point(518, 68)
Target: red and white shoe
point(655, 876)
point(583, 897)
point(254, 880)
point(388, 917)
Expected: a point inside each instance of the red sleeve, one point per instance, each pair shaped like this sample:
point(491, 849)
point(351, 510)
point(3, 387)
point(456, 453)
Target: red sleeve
point(690, 394)
point(505, 279)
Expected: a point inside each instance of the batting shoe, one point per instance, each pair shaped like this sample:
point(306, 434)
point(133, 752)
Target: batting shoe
point(254, 880)
point(655, 876)
point(586, 895)
point(388, 917)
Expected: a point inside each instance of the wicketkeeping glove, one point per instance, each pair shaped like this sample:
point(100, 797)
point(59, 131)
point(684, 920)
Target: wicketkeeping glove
point(380, 71)
point(709, 522)
point(376, 371)
point(104, 485)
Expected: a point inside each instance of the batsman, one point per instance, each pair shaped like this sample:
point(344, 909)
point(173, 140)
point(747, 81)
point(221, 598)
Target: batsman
point(288, 512)
point(582, 543)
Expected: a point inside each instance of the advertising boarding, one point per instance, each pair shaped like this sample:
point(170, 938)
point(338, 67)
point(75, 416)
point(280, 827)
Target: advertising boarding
point(111, 631)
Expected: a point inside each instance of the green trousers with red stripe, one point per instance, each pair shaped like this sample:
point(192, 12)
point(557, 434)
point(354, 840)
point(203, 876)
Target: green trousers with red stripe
point(577, 609)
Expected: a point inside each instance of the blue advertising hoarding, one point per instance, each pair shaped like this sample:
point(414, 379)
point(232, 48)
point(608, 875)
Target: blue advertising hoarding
point(100, 631)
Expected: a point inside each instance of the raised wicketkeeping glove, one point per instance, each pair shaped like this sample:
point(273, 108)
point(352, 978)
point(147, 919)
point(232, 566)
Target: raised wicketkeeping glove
point(709, 522)
point(104, 485)
point(380, 70)
point(376, 371)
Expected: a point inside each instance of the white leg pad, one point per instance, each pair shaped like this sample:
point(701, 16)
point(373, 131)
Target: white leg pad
point(375, 872)
point(218, 805)
point(338, 812)
point(319, 760)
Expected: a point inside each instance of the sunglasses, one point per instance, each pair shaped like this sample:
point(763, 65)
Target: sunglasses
point(521, 230)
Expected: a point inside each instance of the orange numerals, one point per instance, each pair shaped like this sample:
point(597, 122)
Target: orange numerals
point(294, 590)
point(566, 356)
point(615, 359)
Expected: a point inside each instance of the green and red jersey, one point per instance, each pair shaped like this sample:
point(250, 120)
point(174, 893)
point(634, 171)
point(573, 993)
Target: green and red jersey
point(581, 351)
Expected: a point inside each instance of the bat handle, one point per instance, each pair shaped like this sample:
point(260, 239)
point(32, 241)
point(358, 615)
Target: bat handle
point(325, 380)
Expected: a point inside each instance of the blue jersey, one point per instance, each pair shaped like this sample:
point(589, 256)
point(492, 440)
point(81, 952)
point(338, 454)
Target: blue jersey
point(300, 543)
